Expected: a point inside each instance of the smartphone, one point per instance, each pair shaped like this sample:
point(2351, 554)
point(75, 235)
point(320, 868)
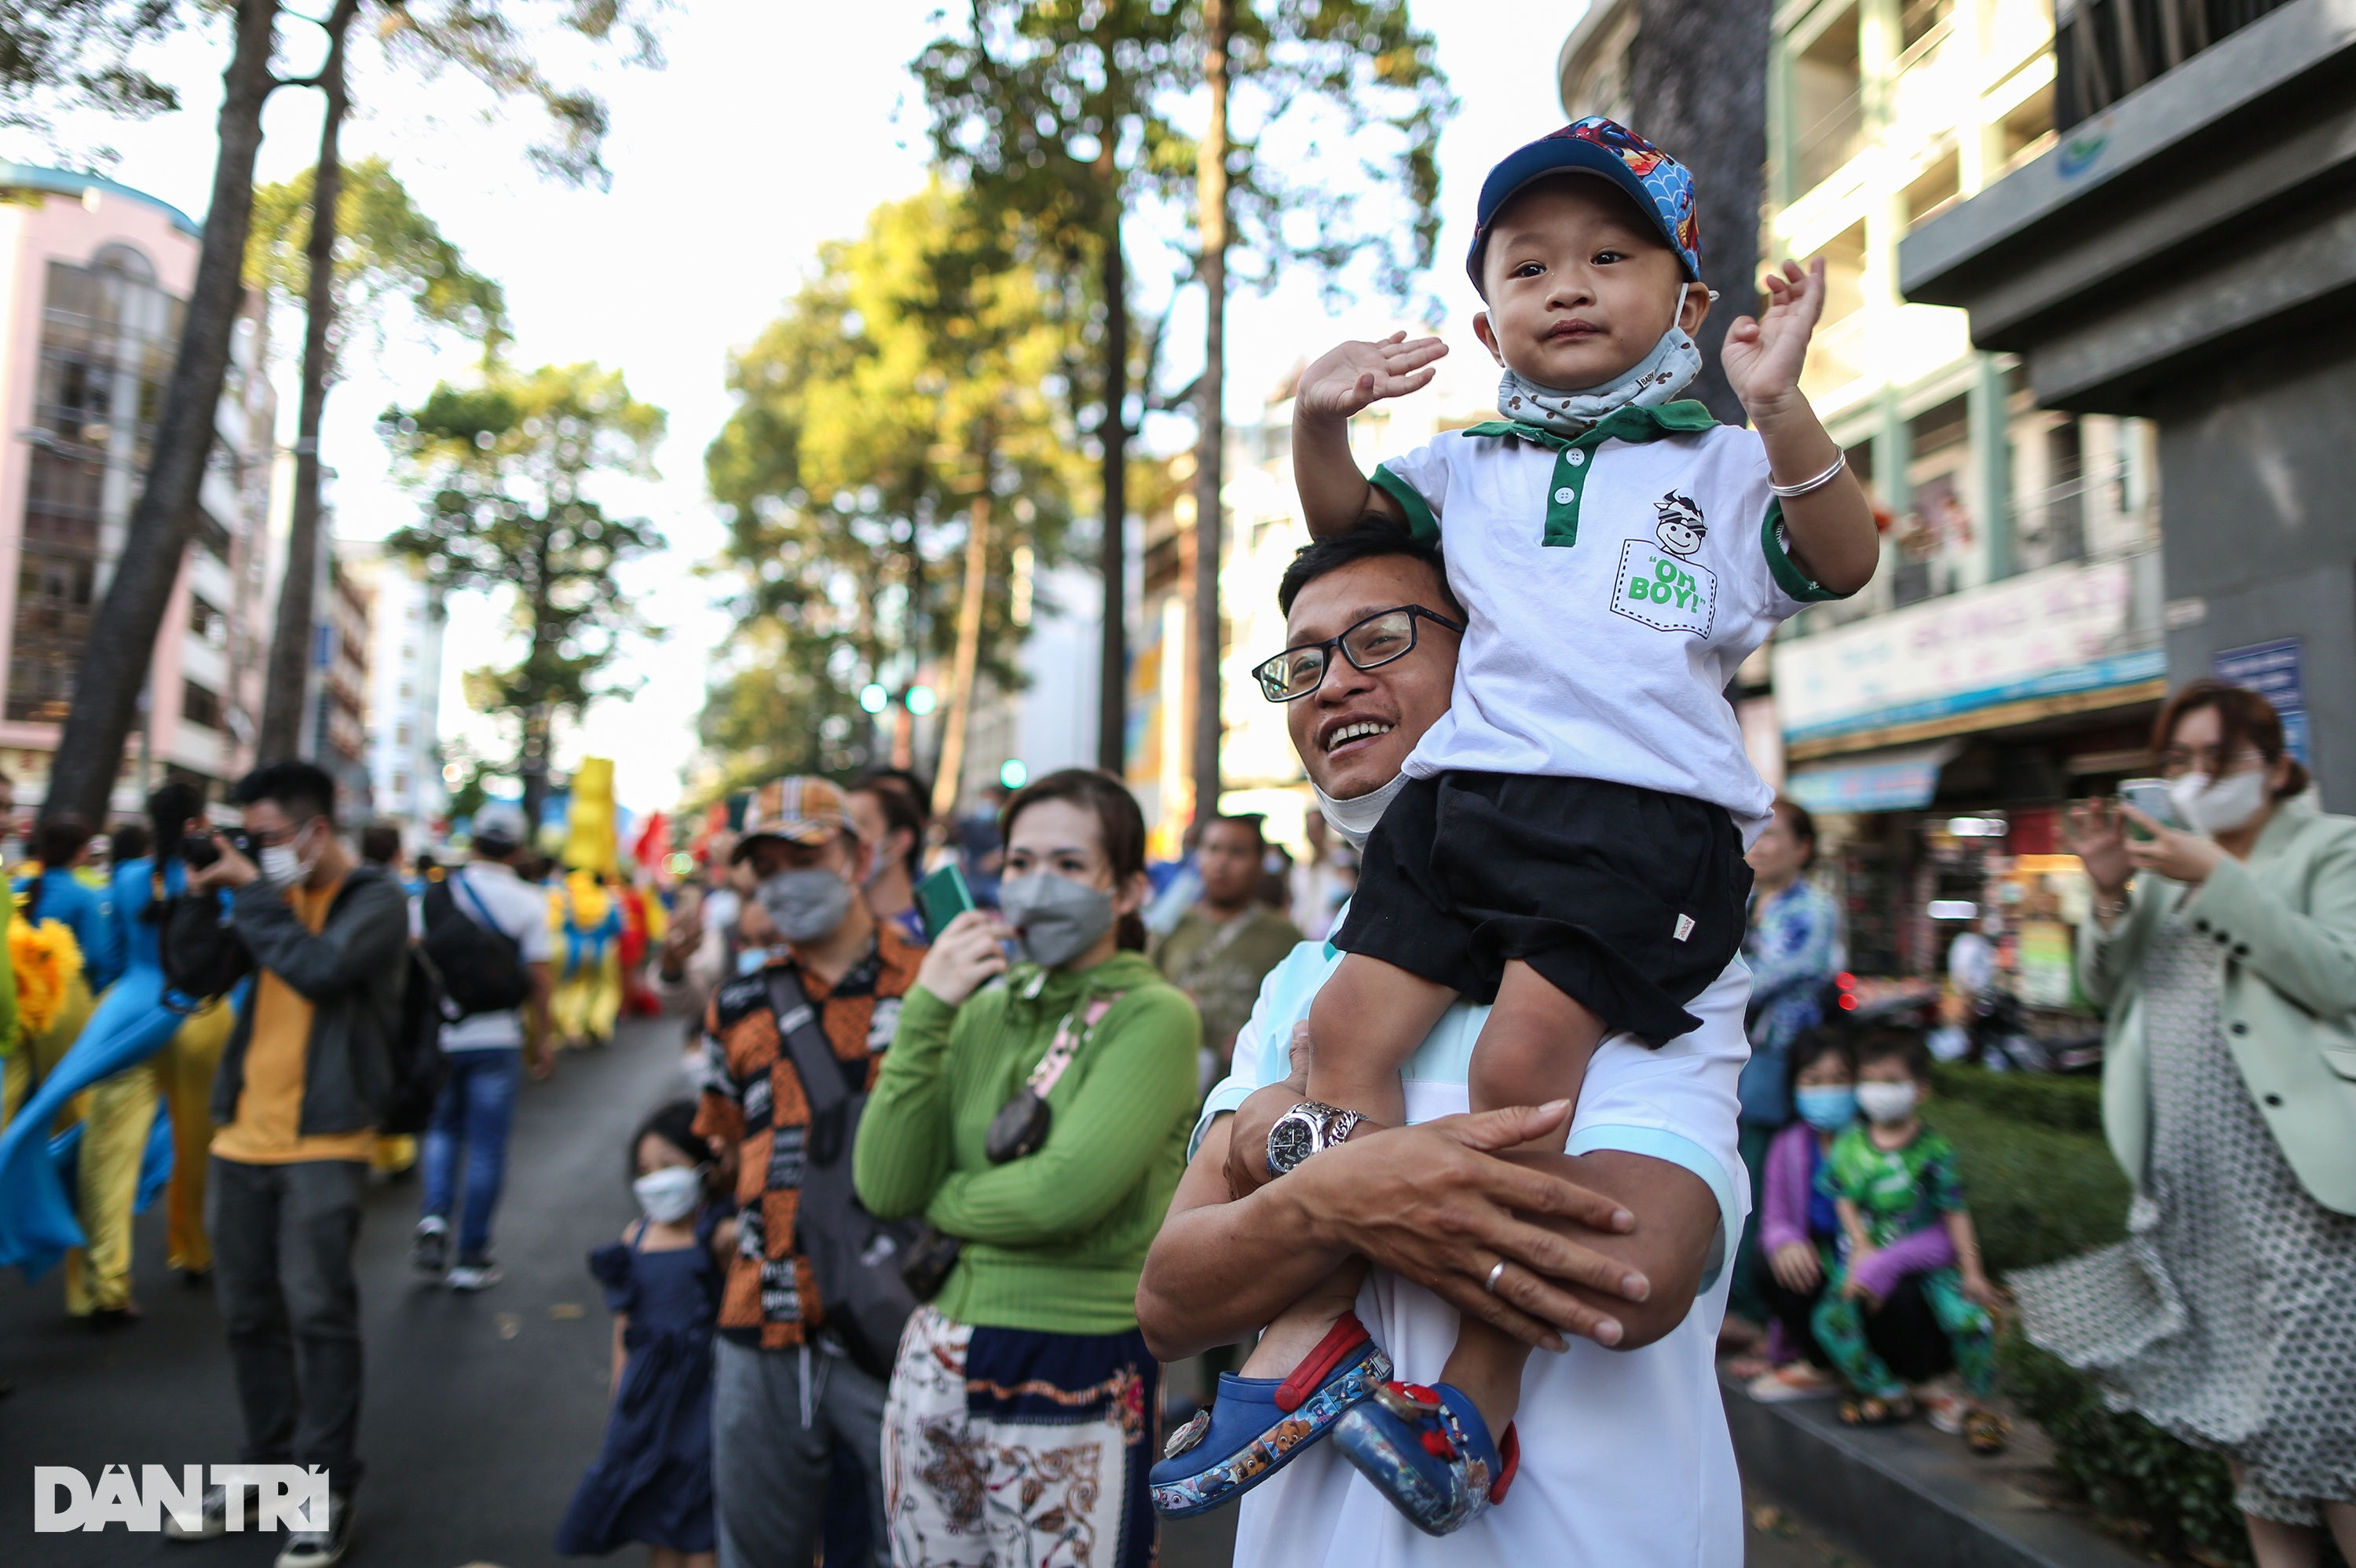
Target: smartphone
point(2150, 797)
point(941, 897)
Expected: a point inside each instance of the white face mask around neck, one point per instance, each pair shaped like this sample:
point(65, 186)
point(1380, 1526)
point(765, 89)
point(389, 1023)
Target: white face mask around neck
point(1355, 818)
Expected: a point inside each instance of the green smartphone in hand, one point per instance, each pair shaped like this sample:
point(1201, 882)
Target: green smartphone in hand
point(941, 897)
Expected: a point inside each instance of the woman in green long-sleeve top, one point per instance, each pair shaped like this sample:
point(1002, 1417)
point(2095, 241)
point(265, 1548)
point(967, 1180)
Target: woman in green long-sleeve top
point(1022, 1419)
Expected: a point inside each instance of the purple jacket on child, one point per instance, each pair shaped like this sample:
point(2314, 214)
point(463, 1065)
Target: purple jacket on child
point(1783, 1216)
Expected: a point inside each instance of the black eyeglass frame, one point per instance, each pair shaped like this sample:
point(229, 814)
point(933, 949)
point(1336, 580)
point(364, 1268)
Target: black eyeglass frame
point(1325, 649)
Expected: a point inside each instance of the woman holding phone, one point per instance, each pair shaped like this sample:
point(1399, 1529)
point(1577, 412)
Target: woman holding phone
point(1038, 1110)
point(2228, 970)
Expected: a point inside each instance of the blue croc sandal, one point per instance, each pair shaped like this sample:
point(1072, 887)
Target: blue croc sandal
point(1428, 1452)
point(1258, 1425)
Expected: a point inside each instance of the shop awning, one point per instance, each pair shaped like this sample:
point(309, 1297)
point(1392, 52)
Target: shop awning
point(1896, 778)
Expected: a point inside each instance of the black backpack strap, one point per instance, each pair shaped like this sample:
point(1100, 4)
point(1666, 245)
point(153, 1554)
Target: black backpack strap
point(815, 1064)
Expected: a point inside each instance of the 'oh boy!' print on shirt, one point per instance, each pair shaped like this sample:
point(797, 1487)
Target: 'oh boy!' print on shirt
point(1659, 582)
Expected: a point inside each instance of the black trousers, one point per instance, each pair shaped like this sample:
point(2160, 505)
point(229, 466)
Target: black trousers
point(283, 1238)
point(1902, 1332)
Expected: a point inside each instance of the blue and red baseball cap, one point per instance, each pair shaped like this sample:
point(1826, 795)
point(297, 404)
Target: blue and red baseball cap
point(1661, 186)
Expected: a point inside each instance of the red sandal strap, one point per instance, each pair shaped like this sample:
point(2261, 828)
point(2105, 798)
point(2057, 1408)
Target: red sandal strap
point(1509, 1464)
point(1340, 1345)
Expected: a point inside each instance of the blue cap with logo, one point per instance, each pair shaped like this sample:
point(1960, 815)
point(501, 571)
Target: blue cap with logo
point(1661, 186)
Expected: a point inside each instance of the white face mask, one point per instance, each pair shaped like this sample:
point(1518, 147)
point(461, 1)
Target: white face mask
point(1355, 818)
point(2219, 806)
point(670, 1194)
point(1886, 1102)
point(284, 863)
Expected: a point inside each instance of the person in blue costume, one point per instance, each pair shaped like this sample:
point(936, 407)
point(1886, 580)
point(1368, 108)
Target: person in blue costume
point(651, 1482)
point(58, 893)
point(137, 1019)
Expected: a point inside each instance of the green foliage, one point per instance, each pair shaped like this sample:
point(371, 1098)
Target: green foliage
point(2043, 1098)
point(77, 54)
point(2171, 1496)
point(918, 365)
point(385, 249)
point(502, 467)
point(2037, 1193)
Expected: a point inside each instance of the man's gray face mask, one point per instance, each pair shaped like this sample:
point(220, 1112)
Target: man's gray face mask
point(805, 905)
point(1058, 918)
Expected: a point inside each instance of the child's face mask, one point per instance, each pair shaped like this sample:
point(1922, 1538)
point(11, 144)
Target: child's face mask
point(670, 1194)
point(1826, 1107)
point(1886, 1102)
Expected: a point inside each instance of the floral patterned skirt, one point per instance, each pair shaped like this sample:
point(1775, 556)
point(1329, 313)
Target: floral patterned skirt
point(1014, 1448)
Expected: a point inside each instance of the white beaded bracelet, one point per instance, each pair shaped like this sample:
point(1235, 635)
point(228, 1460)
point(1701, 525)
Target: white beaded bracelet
point(1809, 486)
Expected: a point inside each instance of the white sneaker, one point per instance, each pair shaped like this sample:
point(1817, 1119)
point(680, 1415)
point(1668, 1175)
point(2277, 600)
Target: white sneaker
point(213, 1516)
point(474, 1276)
point(429, 1250)
point(320, 1548)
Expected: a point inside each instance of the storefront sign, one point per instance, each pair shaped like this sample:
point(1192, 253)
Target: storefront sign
point(2274, 671)
point(2045, 634)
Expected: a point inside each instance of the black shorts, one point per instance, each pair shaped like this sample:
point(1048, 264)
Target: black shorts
point(1628, 901)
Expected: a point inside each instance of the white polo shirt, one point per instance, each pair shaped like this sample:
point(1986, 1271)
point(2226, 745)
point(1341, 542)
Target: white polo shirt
point(520, 909)
point(1625, 1454)
point(1612, 585)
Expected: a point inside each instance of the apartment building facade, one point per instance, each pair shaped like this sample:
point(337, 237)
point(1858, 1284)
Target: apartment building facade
point(93, 279)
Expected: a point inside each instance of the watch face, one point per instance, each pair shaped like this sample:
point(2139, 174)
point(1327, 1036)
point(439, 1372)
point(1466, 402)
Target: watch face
point(1290, 1141)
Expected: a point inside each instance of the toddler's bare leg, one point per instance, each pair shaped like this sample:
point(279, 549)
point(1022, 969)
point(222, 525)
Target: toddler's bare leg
point(1287, 1342)
point(1363, 1027)
point(1532, 1050)
point(1367, 1021)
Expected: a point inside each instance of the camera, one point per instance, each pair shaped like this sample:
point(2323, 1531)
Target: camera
point(199, 850)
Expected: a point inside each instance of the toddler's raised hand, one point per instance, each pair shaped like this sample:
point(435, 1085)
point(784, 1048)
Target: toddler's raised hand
point(1764, 356)
point(1353, 374)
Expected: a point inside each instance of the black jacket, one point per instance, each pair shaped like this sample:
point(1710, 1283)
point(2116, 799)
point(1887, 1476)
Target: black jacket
point(350, 972)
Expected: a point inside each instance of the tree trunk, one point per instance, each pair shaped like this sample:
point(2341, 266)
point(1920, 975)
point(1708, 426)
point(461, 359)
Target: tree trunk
point(968, 652)
point(1112, 695)
point(1211, 202)
point(1699, 67)
point(282, 703)
point(123, 633)
point(531, 760)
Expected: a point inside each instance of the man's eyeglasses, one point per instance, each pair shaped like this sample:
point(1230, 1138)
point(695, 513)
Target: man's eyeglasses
point(1385, 635)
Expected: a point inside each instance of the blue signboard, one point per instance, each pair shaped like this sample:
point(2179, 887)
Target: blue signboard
point(2274, 671)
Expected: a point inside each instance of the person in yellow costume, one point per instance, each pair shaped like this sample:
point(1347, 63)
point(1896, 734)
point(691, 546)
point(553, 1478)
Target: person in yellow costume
point(186, 1069)
point(585, 914)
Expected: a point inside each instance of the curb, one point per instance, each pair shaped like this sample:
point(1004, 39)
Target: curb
point(1908, 1494)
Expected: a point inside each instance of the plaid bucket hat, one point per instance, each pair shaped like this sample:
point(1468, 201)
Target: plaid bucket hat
point(1661, 186)
point(799, 809)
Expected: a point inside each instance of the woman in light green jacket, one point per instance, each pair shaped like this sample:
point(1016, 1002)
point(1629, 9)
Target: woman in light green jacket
point(2228, 971)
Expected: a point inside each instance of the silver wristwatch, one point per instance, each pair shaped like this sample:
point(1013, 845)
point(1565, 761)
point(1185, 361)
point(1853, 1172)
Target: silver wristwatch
point(1304, 1130)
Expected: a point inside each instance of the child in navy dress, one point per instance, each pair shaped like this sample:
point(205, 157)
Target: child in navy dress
point(652, 1480)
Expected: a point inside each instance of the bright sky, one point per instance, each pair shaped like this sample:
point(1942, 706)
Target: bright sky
point(774, 129)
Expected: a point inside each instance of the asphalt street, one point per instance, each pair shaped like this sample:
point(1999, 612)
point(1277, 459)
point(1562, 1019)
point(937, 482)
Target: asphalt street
point(481, 1411)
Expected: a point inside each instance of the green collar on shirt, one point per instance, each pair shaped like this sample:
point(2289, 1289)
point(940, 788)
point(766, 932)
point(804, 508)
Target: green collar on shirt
point(1030, 987)
point(1567, 488)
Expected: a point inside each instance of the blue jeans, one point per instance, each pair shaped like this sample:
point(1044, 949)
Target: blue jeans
point(476, 1109)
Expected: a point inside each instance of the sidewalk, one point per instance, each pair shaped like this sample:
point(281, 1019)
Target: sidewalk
point(1910, 1495)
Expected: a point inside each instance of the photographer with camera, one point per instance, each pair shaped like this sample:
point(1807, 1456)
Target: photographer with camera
point(302, 1083)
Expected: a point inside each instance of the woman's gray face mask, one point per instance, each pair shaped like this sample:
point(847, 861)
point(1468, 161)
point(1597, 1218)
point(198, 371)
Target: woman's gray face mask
point(805, 905)
point(1058, 918)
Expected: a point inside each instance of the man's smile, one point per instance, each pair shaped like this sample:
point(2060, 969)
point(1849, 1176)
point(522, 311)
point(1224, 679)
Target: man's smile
point(1350, 730)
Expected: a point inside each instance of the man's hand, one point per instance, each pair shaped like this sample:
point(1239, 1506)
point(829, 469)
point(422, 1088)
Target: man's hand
point(1347, 379)
point(1763, 357)
point(2094, 832)
point(680, 942)
point(1795, 1266)
point(1852, 1288)
point(232, 871)
point(967, 954)
point(1977, 1289)
point(1428, 1203)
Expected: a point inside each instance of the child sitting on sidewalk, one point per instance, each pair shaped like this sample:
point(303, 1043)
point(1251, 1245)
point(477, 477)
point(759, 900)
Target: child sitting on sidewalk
point(1890, 1181)
point(1567, 841)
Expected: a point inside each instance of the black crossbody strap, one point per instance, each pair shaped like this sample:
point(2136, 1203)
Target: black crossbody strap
point(813, 1059)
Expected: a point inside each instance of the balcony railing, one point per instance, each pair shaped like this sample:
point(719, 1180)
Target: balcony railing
point(2108, 49)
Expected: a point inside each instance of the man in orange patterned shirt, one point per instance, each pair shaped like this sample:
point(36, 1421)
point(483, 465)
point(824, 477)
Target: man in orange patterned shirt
point(788, 1396)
